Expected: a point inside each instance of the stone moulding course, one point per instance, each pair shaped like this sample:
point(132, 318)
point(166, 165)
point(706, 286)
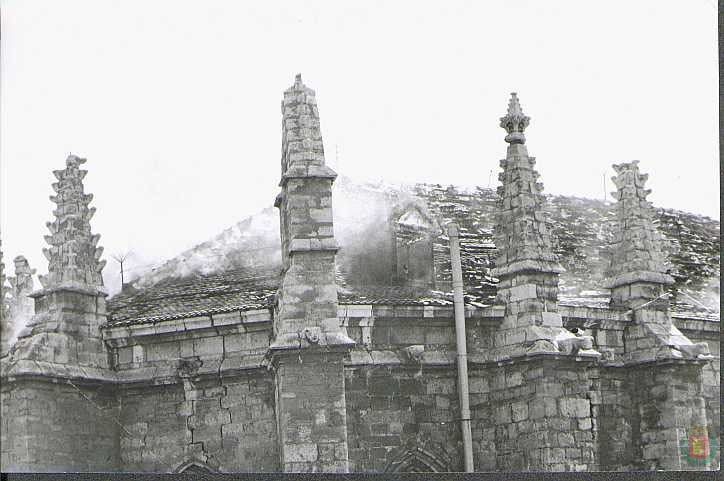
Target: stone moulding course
point(186, 324)
point(581, 357)
point(23, 368)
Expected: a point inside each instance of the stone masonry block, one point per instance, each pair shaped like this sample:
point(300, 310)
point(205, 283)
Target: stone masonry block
point(209, 346)
point(125, 355)
point(519, 411)
point(575, 408)
point(522, 292)
point(301, 453)
point(551, 319)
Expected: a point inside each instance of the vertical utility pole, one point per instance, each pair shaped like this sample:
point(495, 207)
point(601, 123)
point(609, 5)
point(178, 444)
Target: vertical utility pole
point(453, 232)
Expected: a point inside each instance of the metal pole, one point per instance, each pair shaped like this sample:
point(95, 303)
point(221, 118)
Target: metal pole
point(460, 337)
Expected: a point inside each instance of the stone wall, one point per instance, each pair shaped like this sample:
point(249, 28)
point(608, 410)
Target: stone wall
point(707, 331)
point(614, 420)
point(400, 416)
point(233, 345)
point(534, 415)
point(226, 424)
point(68, 429)
point(711, 377)
point(667, 403)
point(311, 412)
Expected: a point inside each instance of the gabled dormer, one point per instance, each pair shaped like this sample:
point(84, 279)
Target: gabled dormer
point(413, 230)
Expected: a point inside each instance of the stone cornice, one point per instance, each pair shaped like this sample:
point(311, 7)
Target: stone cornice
point(582, 357)
point(117, 335)
point(27, 368)
point(76, 288)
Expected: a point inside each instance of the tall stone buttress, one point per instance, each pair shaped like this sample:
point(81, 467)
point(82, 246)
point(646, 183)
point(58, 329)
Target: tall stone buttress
point(526, 266)
point(57, 392)
point(309, 345)
point(540, 373)
point(664, 366)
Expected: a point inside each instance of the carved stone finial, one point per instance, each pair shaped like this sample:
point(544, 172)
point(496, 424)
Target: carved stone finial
point(73, 256)
point(514, 122)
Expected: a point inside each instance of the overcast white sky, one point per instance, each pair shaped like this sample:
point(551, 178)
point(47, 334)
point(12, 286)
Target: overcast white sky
point(176, 104)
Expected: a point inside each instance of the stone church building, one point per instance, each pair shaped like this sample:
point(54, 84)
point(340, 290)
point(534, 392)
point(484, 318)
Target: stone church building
point(442, 342)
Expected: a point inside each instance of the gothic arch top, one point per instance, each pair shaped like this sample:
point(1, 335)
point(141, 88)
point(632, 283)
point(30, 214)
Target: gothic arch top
point(194, 467)
point(414, 215)
point(417, 460)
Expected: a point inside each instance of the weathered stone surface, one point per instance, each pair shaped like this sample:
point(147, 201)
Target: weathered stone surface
point(311, 411)
point(669, 403)
point(230, 426)
point(53, 427)
point(536, 423)
point(384, 424)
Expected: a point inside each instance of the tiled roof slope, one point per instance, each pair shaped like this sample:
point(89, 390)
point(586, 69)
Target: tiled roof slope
point(580, 228)
point(234, 290)
point(395, 295)
point(581, 231)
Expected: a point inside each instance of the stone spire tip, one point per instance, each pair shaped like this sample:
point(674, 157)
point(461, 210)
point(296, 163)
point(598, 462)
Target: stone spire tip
point(514, 105)
point(73, 255)
point(515, 121)
point(74, 161)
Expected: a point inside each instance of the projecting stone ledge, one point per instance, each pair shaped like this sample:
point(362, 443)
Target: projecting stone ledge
point(305, 171)
point(323, 244)
point(71, 287)
point(641, 276)
point(650, 341)
point(10, 369)
point(528, 266)
point(309, 338)
point(527, 341)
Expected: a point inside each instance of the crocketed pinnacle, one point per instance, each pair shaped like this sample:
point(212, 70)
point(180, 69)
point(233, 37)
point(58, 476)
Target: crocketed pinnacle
point(73, 256)
point(515, 121)
point(522, 238)
point(637, 253)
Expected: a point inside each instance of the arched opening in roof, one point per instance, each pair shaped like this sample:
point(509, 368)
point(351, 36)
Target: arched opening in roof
point(413, 231)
